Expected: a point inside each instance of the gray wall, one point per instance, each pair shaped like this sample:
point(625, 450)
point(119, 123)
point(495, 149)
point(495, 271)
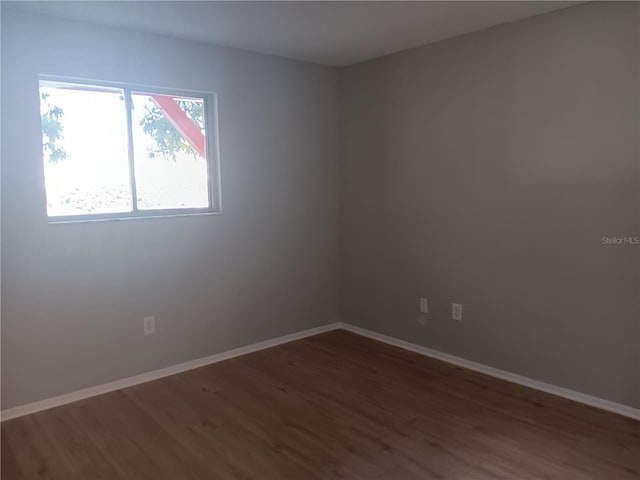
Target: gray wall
point(485, 170)
point(482, 170)
point(73, 296)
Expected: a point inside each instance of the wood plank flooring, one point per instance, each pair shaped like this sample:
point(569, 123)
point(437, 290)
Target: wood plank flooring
point(333, 406)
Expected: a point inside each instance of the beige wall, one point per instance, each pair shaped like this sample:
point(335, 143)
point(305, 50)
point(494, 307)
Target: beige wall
point(484, 170)
point(73, 296)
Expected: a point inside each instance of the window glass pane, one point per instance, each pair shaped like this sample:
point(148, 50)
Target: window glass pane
point(169, 151)
point(85, 150)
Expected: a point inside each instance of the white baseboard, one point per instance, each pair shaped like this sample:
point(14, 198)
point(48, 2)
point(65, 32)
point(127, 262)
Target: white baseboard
point(614, 407)
point(45, 404)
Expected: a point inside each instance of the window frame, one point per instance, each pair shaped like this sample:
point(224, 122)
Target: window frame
point(212, 145)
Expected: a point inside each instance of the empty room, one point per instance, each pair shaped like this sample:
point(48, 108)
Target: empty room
point(320, 240)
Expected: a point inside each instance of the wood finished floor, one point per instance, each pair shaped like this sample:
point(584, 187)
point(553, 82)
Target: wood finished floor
point(333, 406)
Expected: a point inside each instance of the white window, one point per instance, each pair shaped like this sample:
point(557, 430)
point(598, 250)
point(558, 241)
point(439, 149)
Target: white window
point(119, 151)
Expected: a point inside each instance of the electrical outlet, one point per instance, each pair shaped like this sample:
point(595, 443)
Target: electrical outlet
point(456, 311)
point(421, 320)
point(149, 324)
point(424, 305)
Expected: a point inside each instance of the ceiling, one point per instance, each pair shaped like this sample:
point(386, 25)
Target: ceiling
point(330, 33)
